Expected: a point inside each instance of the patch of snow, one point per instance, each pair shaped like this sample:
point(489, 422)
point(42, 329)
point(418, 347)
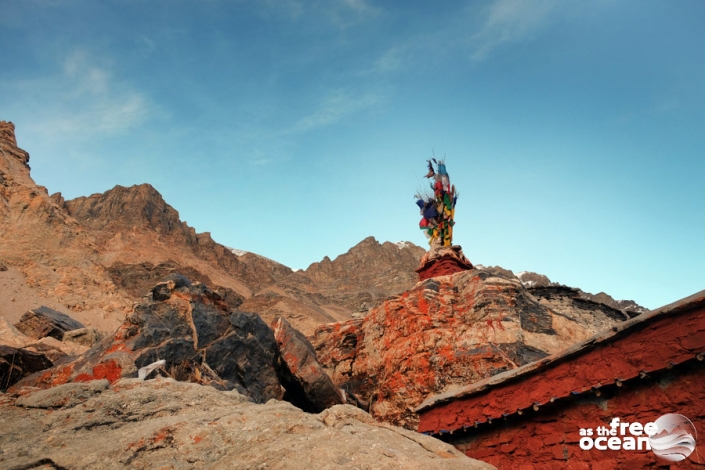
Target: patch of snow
point(526, 283)
point(401, 245)
point(237, 252)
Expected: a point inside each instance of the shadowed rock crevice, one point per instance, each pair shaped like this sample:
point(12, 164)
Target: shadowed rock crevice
point(16, 363)
point(307, 384)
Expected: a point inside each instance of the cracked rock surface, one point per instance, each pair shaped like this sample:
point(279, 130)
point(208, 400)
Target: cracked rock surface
point(450, 331)
point(162, 423)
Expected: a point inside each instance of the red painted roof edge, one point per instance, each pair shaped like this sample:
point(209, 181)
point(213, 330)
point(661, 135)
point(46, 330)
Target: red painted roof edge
point(683, 305)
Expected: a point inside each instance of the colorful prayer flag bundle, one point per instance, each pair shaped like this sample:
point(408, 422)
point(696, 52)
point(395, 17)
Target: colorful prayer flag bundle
point(438, 210)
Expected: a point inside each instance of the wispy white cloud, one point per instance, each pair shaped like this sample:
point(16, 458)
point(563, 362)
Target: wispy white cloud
point(341, 13)
point(360, 7)
point(266, 142)
point(510, 21)
point(391, 60)
point(347, 13)
point(81, 100)
point(290, 9)
point(334, 108)
point(145, 45)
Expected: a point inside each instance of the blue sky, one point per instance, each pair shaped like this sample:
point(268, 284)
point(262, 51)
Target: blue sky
point(574, 131)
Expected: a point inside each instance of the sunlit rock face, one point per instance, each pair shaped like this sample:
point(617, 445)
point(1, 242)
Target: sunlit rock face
point(448, 331)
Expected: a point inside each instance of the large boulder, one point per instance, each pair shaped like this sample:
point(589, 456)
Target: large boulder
point(167, 424)
point(83, 336)
point(449, 331)
point(41, 322)
point(16, 363)
point(307, 384)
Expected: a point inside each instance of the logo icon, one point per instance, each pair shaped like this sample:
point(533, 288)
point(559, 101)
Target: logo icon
point(675, 438)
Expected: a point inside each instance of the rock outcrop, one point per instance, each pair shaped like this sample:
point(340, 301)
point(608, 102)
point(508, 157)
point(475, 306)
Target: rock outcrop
point(306, 382)
point(194, 331)
point(569, 302)
point(167, 424)
point(542, 285)
point(138, 279)
point(198, 338)
point(445, 332)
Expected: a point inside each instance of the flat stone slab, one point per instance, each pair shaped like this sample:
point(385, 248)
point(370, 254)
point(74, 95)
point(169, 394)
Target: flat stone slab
point(41, 322)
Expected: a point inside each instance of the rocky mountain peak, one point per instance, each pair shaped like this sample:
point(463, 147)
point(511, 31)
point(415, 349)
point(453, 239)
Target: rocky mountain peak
point(368, 241)
point(14, 162)
point(135, 206)
point(7, 133)
point(367, 258)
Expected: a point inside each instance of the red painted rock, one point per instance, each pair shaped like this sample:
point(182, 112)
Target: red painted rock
point(307, 384)
point(446, 332)
point(442, 261)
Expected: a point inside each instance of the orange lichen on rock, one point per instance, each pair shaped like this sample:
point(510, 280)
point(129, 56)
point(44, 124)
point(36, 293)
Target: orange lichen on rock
point(445, 332)
point(108, 370)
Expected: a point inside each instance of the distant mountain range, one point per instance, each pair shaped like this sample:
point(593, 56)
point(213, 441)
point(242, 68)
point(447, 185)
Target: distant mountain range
point(96, 255)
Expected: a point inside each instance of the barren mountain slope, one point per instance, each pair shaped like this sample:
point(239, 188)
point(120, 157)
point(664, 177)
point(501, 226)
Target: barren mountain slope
point(135, 225)
point(337, 290)
point(140, 238)
point(98, 254)
point(56, 255)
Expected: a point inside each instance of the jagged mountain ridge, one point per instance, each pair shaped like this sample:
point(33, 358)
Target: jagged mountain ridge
point(96, 255)
point(139, 233)
point(535, 281)
point(99, 253)
point(352, 283)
